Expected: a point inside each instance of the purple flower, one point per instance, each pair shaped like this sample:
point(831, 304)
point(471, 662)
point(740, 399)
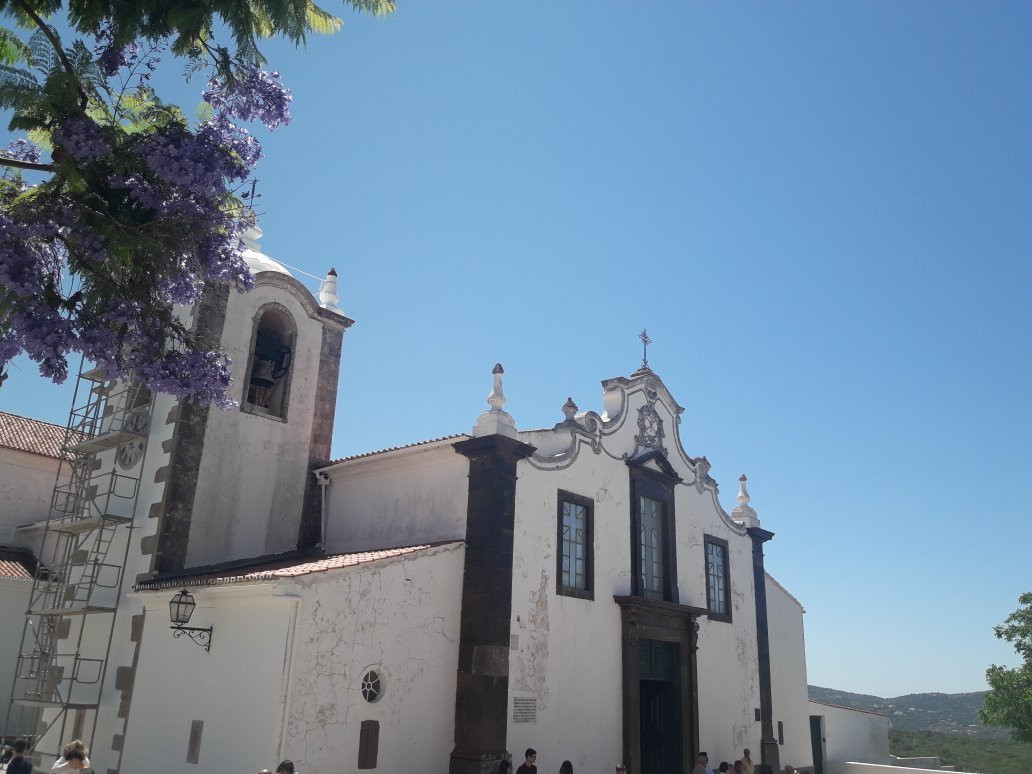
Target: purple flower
point(23, 150)
point(83, 139)
point(253, 95)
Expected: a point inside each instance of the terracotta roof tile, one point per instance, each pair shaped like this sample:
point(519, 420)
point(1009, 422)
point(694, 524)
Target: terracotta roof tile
point(17, 563)
point(30, 435)
point(286, 568)
point(397, 448)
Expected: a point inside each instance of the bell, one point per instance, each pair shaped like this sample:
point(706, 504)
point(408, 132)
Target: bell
point(261, 373)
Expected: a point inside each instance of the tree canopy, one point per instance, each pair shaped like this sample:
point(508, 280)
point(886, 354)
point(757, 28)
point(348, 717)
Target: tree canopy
point(1009, 700)
point(138, 207)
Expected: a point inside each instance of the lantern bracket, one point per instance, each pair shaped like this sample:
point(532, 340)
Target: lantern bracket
point(201, 637)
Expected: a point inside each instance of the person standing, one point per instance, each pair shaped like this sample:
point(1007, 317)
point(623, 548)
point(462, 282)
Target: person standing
point(566, 768)
point(529, 763)
point(701, 763)
point(747, 764)
point(19, 764)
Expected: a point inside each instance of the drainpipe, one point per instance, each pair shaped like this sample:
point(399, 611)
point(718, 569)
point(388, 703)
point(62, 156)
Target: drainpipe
point(323, 481)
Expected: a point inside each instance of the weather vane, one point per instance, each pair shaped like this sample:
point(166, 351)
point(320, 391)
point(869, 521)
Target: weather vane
point(645, 341)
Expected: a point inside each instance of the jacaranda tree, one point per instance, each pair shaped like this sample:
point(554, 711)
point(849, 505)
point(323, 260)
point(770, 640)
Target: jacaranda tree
point(115, 207)
point(1009, 699)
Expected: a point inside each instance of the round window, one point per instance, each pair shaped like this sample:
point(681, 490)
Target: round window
point(372, 687)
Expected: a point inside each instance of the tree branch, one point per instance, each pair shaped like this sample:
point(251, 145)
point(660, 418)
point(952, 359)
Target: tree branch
point(56, 43)
point(6, 161)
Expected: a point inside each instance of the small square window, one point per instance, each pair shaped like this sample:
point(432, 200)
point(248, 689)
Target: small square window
point(574, 554)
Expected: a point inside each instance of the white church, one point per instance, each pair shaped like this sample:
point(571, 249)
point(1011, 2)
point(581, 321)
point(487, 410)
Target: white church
point(210, 591)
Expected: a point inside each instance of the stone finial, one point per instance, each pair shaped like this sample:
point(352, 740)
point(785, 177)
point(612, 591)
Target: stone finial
point(497, 397)
point(744, 514)
point(743, 493)
point(328, 297)
point(570, 409)
point(496, 421)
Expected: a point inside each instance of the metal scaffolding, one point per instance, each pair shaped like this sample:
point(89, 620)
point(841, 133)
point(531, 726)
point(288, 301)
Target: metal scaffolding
point(69, 624)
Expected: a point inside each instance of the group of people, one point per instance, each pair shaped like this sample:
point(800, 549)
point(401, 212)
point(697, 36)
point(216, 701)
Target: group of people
point(529, 765)
point(74, 757)
point(742, 766)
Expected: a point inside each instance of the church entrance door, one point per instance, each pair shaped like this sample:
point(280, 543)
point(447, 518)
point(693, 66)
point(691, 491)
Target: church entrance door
point(660, 702)
point(660, 686)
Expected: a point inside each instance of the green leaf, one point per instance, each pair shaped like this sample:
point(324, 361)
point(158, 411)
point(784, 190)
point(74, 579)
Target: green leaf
point(320, 21)
point(12, 48)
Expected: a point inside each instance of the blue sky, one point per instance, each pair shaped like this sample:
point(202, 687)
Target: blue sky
point(820, 211)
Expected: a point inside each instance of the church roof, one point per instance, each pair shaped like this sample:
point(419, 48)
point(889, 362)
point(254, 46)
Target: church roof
point(16, 563)
point(282, 568)
point(30, 435)
point(363, 455)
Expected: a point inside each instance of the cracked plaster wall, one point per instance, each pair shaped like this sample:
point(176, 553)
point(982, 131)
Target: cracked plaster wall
point(569, 648)
point(402, 614)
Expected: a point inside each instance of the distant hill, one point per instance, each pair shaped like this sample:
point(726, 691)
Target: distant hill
point(951, 713)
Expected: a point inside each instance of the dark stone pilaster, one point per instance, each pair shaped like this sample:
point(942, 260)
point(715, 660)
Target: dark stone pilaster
point(188, 445)
point(310, 530)
point(482, 682)
point(769, 754)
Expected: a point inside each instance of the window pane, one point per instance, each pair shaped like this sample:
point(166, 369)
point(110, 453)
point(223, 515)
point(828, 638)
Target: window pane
point(574, 546)
point(716, 574)
point(651, 546)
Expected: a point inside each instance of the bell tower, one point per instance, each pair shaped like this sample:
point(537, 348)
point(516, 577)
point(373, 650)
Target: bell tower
point(239, 480)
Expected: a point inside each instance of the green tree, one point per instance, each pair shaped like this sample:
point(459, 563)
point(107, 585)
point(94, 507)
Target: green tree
point(1009, 700)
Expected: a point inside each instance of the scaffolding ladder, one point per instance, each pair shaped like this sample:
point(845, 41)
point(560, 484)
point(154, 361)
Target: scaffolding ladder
point(69, 624)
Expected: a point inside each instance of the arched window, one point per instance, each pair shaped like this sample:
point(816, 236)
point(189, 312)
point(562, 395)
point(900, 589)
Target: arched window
point(272, 352)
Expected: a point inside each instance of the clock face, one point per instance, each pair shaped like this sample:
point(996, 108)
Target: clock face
point(130, 452)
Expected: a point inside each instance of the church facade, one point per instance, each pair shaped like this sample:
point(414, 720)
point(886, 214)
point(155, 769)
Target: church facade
point(441, 606)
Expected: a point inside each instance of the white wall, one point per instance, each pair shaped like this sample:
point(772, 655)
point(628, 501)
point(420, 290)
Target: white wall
point(401, 615)
point(237, 689)
point(788, 673)
point(853, 735)
point(14, 600)
point(406, 497)
point(26, 483)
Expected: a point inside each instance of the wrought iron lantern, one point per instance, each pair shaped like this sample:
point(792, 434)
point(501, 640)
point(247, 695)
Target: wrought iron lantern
point(180, 609)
